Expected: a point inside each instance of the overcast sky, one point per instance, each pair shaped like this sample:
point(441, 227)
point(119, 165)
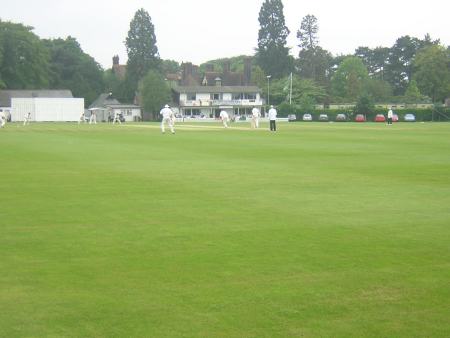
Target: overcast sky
point(202, 30)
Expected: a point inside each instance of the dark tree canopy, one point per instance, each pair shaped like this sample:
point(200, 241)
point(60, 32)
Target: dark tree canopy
point(141, 48)
point(24, 60)
point(73, 69)
point(272, 53)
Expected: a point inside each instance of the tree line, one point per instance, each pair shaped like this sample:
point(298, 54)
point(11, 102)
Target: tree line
point(412, 70)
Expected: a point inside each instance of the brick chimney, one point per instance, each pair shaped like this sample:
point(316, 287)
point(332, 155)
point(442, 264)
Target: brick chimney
point(186, 72)
point(247, 70)
point(226, 66)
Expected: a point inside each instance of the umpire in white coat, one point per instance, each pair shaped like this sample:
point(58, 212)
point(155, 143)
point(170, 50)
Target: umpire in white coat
point(273, 118)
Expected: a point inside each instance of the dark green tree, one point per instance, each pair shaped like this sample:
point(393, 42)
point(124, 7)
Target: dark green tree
point(364, 105)
point(272, 54)
point(73, 69)
point(379, 90)
point(374, 59)
point(399, 67)
point(141, 49)
point(25, 60)
point(432, 72)
point(315, 64)
point(116, 85)
point(170, 66)
point(155, 93)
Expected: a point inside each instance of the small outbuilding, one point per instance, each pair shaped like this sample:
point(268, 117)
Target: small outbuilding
point(106, 106)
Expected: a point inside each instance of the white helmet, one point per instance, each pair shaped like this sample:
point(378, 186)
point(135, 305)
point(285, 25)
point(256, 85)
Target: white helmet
point(166, 106)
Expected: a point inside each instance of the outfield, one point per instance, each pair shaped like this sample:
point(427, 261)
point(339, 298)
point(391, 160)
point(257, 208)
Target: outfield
point(318, 230)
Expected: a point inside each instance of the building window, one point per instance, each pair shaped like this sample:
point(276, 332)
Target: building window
point(237, 96)
point(129, 112)
point(216, 96)
point(250, 96)
point(191, 97)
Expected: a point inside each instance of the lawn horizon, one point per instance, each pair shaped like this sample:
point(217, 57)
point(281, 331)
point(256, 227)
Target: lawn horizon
point(317, 230)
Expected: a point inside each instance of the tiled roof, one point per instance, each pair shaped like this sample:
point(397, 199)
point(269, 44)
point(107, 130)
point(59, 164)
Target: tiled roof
point(103, 100)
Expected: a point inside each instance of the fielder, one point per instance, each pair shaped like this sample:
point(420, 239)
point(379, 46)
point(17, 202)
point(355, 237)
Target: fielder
point(116, 118)
point(26, 119)
point(93, 118)
point(167, 117)
point(225, 118)
point(256, 114)
point(2, 119)
point(82, 118)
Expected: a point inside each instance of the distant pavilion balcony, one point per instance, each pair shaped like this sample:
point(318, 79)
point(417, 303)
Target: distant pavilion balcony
point(217, 103)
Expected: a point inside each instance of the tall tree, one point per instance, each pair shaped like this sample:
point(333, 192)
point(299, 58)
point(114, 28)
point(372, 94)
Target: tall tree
point(25, 60)
point(141, 48)
point(308, 32)
point(432, 72)
point(272, 53)
point(313, 61)
point(399, 68)
point(73, 69)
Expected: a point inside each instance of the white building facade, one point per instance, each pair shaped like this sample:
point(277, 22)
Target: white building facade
point(209, 101)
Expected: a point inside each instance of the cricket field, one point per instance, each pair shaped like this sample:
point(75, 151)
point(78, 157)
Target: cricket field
point(317, 230)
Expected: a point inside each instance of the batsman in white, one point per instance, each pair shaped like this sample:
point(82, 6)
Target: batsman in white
point(256, 114)
point(26, 119)
point(2, 119)
point(167, 117)
point(225, 118)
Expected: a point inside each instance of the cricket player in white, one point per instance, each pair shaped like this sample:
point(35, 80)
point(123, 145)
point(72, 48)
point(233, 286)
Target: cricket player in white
point(167, 117)
point(27, 119)
point(93, 118)
point(82, 118)
point(273, 118)
point(225, 118)
point(2, 119)
point(390, 115)
point(256, 114)
point(116, 118)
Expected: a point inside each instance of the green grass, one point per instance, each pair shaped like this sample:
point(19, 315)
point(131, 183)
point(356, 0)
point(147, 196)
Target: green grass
point(319, 230)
